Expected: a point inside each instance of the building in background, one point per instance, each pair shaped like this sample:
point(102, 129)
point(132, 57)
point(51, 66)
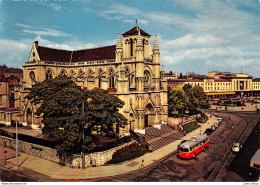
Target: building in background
point(10, 83)
point(221, 84)
point(171, 75)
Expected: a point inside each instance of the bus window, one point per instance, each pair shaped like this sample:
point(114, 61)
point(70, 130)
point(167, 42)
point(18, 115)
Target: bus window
point(184, 149)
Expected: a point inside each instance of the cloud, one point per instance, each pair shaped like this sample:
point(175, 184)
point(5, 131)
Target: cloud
point(14, 52)
point(116, 12)
point(142, 21)
point(42, 31)
point(47, 32)
point(52, 5)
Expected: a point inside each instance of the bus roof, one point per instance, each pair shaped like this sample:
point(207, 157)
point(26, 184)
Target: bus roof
point(256, 158)
point(191, 142)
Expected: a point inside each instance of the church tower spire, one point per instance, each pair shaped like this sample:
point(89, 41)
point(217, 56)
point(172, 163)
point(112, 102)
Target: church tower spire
point(156, 45)
point(156, 52)
point(119, 43)
point(119, 49)
point(139, 52)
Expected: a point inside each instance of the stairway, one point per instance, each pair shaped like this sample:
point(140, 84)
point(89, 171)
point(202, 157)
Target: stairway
point(157, 138)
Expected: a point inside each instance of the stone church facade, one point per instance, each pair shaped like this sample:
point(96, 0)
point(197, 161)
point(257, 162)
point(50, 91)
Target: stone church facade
point(130, 70)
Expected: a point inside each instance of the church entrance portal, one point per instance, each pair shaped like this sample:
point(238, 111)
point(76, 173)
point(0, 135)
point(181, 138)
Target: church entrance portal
point(149, 115)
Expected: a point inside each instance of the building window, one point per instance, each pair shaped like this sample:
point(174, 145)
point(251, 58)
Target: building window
point(90, 71)
point(72, 72)
point(112, 78)
point(147, 78)
point(131, 47)
point(49, 74)
point(32, 76)
point(0, 99)
point(63, 73)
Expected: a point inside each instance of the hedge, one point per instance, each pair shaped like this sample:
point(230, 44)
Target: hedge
point(129, 152)
point(188, 127)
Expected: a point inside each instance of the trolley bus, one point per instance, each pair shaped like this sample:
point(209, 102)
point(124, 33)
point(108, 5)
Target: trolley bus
point(194, 146)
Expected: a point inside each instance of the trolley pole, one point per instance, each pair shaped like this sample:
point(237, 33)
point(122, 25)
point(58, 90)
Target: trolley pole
point(16, 143)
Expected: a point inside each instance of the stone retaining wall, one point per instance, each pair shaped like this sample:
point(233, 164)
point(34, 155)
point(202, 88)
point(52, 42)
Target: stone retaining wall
point(98, 158)
point(70, 160)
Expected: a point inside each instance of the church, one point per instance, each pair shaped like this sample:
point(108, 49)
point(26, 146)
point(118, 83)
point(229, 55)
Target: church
point(130, 70)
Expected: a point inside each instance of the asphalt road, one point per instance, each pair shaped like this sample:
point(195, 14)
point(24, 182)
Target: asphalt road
point(174, 169)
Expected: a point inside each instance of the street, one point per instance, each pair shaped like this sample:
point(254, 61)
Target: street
point(200, 168)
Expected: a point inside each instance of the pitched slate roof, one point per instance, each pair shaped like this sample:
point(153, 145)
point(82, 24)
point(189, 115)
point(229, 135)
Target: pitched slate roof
point(134, 31)
point(59, 55)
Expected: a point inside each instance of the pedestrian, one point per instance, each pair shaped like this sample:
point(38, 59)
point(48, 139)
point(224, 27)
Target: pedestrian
point(232, 126)
point(142, 163)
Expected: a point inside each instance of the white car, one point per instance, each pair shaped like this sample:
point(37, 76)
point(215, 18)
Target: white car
point(236, 147)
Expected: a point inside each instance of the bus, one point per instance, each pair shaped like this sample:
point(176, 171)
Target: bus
point(255, 164)
point(191, 148)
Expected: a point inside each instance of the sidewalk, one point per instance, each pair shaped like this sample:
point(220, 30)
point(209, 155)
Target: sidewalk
point(34, 166)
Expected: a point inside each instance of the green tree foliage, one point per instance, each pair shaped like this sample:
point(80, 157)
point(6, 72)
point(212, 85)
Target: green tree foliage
point(198, 97)
point(177, 101)
point(186, 87)
point(102, 112)
point(180, 76)
point(59, 102)
point(186, 98)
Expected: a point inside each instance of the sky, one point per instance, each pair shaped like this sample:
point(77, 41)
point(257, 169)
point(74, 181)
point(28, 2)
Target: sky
point(194, 35)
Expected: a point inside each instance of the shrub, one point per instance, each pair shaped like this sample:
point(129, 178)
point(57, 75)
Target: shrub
point(188, 127)
point(129, 152)
point(203, 119)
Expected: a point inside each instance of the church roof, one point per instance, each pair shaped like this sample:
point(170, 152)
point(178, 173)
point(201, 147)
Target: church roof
point(59, 55)
point(134, 31)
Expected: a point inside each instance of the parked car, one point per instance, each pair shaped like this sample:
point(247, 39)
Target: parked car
point(208, 131)
point(236, 147)
point(219, 120)
point(213, 127)
point(216, 123)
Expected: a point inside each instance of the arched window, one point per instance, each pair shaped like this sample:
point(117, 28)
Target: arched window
point(72, 72)
point(131, 47)
point(32, 76)
point(80, 73)
point(90, 71)
point(63, 72)
point(111, 79)
point(49, 74)
point(100, 70)
point(147, 78)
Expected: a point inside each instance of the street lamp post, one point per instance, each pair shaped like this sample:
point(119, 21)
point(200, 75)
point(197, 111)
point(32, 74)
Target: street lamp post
point(83, 154)
point(16, 143)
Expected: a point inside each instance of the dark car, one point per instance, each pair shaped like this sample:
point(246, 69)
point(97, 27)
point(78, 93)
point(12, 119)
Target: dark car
point(208, 131)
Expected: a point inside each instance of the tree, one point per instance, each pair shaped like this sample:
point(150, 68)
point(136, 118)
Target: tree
point(181, 76)
point(186, 87)
point(102, 112)
point(177, 101)
point(60, 103)
point(197, 98)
